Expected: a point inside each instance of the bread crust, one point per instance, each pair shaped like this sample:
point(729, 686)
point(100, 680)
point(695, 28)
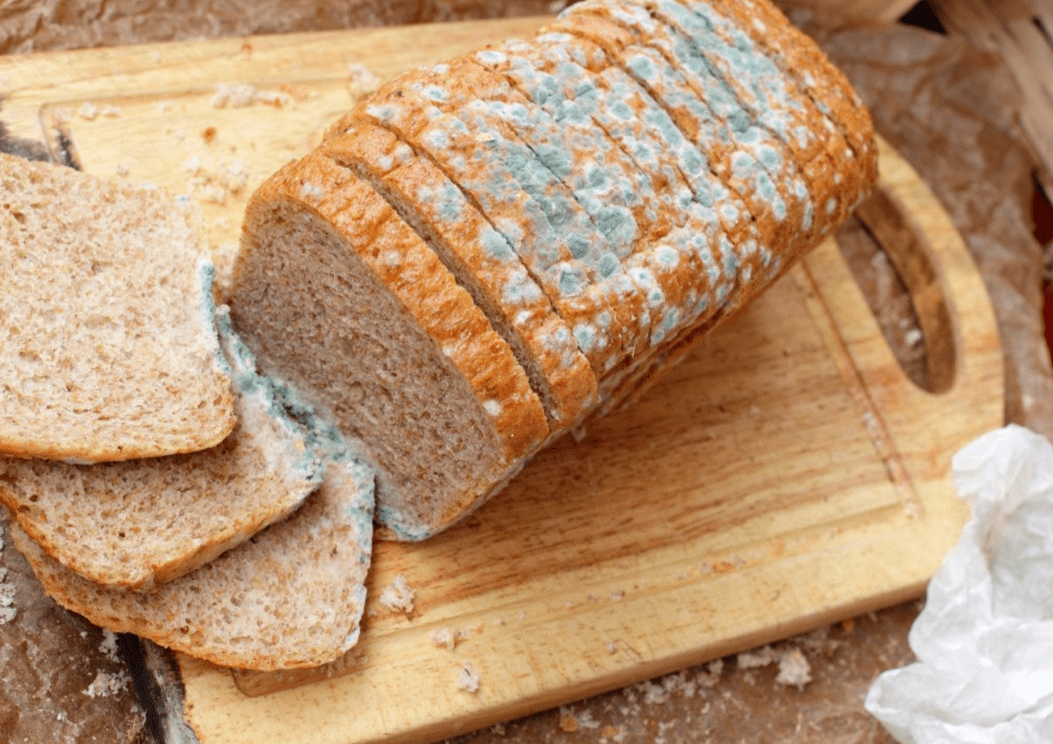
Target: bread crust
point(475, 155)
point(804, 64)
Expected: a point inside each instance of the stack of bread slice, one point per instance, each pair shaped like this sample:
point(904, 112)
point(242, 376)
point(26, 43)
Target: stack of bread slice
point(157, 483)
point(487, 252)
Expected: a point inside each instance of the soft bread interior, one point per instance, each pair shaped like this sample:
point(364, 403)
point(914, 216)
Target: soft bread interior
point(313, 310)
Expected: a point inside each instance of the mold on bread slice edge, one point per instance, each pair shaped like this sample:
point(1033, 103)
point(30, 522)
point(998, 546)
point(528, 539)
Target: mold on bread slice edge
point(341, 509)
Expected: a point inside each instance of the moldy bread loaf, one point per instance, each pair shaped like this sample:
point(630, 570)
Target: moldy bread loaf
point(608, 191)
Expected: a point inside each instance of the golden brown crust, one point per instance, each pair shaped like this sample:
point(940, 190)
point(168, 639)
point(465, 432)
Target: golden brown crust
point(499, 194)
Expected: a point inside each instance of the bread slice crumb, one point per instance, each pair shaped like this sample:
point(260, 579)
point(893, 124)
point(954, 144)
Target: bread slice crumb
point(468, 679)
point(106, 684)
point(398, 595)
point(7, 595)
point(444, 637)
point(794, 669)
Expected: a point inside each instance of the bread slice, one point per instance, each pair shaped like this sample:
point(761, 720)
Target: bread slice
point(482, 261)
point(337, 294)
point(292, 596)
point(138, 523)
point(107, 345)
point(704, 105)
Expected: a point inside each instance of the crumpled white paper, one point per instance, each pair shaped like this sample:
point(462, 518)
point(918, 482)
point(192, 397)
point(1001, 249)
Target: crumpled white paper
point(984, 641)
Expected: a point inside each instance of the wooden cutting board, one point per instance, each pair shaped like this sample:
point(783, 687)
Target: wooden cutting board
point(785, 475)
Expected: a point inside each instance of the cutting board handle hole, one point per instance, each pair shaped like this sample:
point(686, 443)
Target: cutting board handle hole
point(891, 260)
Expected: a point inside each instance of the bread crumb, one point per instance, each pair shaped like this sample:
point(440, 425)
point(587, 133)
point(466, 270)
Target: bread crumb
point(468, 679)
point(192, 165)
point(208, 134)
point(652, 694)
point(7, 594)
point(234, 176)
point(759, 658)
point(498, 729)
point(444, 637)
point(711, 675)
point(108, 647)
point(163, 107)
point(122, 169)
point(794, 669)
point(567, 721)
point(106, 685)
point(111, 112)
point(234, 96)
point(398, 595)
point(586, 721)
point(361, 81)
point(242, 95)
point(88, 111)
point(617, 596)
point(612, 647)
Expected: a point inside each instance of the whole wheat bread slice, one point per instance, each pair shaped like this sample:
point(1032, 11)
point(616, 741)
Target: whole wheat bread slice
point(292, 596)
point(107, 345)
point(135, 523)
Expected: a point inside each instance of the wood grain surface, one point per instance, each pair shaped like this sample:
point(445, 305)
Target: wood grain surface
point(785, 475)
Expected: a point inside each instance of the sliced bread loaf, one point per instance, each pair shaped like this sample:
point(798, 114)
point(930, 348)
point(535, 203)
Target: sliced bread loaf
point(292, 596)
point(138, 523)
point(108, 349)
point(337, 294)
